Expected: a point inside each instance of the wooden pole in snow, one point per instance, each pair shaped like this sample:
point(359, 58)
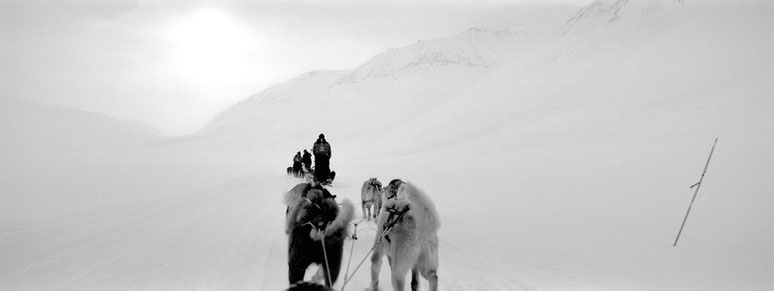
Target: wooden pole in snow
point(698, 185)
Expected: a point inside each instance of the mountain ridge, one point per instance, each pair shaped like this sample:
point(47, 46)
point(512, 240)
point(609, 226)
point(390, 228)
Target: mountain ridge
point(28, 124)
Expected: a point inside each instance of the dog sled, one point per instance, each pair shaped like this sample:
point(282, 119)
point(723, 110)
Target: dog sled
point(327, 180)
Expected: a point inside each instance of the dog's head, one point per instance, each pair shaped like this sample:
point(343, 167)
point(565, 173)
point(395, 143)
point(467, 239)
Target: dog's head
point(391, 191)
point(375, 182)
point(318, 209)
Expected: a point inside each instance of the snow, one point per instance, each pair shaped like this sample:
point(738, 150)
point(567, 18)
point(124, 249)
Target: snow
point(563, 163)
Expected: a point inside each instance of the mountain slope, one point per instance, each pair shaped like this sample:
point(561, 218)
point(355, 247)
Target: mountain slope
point(27, 125)
point(276, 104)
point(648, 64)
point(397, 85)
point(603, 52)
point(478, 48)
point(58, 160)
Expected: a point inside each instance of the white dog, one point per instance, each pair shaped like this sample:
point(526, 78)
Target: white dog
point(371, 198)
point(407, 232)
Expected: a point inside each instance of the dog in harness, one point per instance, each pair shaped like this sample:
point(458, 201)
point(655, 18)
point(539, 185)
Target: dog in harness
point(407, 233)
point(316, 227)
point(371, 198)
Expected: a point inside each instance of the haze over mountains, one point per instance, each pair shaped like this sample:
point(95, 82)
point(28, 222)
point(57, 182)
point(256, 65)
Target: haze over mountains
point(559, 156)
point(30, 126)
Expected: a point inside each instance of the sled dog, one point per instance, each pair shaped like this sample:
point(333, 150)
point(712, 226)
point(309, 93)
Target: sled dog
point(371, 198)
point(329, 179)
point(407, 232)
point(309, 175)
point(314, 216)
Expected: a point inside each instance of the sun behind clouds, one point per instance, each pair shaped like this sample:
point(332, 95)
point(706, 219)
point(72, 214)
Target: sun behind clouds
point(209, 48)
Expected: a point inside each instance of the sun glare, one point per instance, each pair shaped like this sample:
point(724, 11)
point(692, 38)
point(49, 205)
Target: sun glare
point(209, 48)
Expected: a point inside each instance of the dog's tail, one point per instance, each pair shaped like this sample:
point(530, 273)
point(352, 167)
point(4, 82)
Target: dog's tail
point(340, 225)
point(423, 207)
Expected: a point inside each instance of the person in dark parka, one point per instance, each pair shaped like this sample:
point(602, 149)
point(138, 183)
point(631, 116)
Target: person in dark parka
point(322, 158)
point(297, 164)
point(306, 160)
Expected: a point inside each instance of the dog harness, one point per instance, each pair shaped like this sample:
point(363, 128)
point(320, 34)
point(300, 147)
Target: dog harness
point(391, 222)
point(392, 196)
point(309, 186)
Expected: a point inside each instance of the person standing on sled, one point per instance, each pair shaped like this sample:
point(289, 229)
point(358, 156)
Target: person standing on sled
point(306, 159)
point(297, 164)
point(322, 159)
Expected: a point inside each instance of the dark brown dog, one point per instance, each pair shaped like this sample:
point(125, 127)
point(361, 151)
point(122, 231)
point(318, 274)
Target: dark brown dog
point(313, 219)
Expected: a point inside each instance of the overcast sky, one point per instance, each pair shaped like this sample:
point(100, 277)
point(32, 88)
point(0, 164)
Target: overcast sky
point(175, 64)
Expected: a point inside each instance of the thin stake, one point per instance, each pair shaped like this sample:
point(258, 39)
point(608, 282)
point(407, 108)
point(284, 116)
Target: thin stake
point(698, 185)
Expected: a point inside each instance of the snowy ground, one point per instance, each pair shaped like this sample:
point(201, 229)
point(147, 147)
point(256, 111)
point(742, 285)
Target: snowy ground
point(579, 179)
point(545, 223)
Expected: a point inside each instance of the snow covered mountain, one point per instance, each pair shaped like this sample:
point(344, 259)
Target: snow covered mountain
point(29, 126)
point(595, 66)
point(399, 84)
point(476, 49)
point(280, 103)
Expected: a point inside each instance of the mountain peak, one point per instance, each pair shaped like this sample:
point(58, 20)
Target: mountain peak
point(602, 12)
